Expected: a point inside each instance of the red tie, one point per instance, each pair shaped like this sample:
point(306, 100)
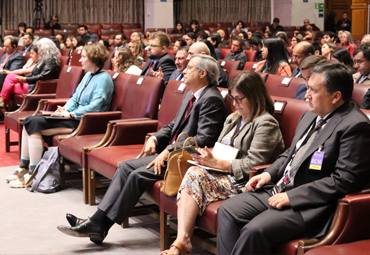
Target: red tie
point(192, 100)
point(150, 66)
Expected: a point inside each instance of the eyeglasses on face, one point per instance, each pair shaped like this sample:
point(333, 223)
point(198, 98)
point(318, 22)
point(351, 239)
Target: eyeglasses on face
point(154, 45)
point(237, 99)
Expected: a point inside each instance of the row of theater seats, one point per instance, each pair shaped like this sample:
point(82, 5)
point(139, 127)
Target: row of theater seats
point(103, 140)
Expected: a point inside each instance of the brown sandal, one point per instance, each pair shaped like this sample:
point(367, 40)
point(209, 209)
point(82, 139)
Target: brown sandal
point(178, 246)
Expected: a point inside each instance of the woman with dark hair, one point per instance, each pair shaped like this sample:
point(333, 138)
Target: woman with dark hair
point(243, 35)
point(189, 38)
point(93, 94)
point(343, 56)
point(295, 40)
point(210, 47)
point(275, 58)
point(105, 43)
point(284, 37)
point(240, 26)
point(78, 43)
point(251, 129)
point(215, 40)
point(194, 26)
point(177, 45)
point(69, 42)
point(179, 28)
point(21, 30)
point(329, 24)
point(124, 62)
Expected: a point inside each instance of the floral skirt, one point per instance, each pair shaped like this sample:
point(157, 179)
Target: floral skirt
point(205, 187)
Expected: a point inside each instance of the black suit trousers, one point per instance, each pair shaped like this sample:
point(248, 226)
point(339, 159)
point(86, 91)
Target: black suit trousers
point(130, 181)
point(247, 224)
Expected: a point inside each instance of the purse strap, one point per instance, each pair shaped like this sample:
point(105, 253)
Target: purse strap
point(177, 140)
point(188, 141)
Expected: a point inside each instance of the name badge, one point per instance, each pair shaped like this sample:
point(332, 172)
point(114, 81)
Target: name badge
point(316, 160)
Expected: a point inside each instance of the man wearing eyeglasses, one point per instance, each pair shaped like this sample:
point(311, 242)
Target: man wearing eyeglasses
point(300, 52)
point(361, 57)
point(158, 46)
point(53, 23)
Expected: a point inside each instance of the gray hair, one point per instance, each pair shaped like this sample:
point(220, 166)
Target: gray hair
point(210, 65)
point(47, 50)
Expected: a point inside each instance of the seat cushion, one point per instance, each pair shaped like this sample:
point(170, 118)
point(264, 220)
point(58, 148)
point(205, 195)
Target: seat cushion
point(11, 121)
point(288, 248)
point(355, 248)
point(71, 148)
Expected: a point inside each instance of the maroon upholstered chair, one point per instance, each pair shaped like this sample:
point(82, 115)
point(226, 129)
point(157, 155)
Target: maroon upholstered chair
point(250, 66)
point(111, 31)
point(69, 26)
point(359, 91)
point(75, 59)
point(224, 52)
point(9, 31)
point(44, 32)
point(66, 32)
point(155, 29)
point(233, 73)
point(251, 55)
point(113, 26)
point(128, 31)
point(64, 87)
point(108, 63)
point(229, 65)
point(175, 37)
point(283, 86)
point(92, 131)
point(1, 53)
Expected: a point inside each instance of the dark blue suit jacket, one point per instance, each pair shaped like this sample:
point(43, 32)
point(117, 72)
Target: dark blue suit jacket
point(301, 92)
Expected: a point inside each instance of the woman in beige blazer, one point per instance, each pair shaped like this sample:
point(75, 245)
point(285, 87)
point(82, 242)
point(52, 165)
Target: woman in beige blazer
point(253, 131)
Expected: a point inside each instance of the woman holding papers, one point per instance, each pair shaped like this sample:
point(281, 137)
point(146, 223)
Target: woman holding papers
point(93, 94)
point(253, 131)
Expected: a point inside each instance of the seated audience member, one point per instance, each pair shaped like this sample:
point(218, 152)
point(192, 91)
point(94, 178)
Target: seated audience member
point(211, 49)
point(328, 49)
point(69, 43)
point(295, 40)
point(267, 34)
point(194, 27)
point(78, 43)
point(201, 35)
point(105, 43)
point(361, 57)
point(215, 40)
point(328, 37)
point(179, 29)
point(302, 202)
point(177, 45)
point(221, 33)
point(93, 94)
point(189, 38)
point(256, 43)
point(61, 39)
point(125, 62)
point(205, 49)
point(11, 85)
point(310, 36)
point(204, 123)
point(344, 23)
point(57, 43)
point(329, 23)
point(136, 37)
point(137, 51)
point(30, 31)
point(240, 26)
point(317, 46)
point(21, 30)
point(143, 40)
point(147, 34)
point(158, 46)
point(346, 40)
point(283, 36)
point(343, 56)
point(275, 58)
point(181, 62)
point(365, 38)
point(243, 35)
point(253, 131)
point(120, 42)
point(207, 32)
point(300, 52)
point(275, 27)
point(86, 35)
point(28, 41)
point(11, 60)
point(250, 34)
point(53, 23)
point(307, 65)
point(237, 52)
point(308, 26)
point(111, 41)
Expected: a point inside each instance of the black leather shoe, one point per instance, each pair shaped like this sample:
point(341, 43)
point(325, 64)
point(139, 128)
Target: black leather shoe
point(85, 229)
point(73, 220)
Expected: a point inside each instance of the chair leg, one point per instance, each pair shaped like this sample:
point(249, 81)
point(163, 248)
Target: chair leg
point(62, 173)
point(125, 223)
point(165, 230)
point(90, 187)
point(7, 139)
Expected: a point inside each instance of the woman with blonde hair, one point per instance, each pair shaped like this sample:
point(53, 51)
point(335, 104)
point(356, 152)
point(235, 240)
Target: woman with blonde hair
point(137, 51)
point(327, 49)
point(346, 40)
point(124, 62)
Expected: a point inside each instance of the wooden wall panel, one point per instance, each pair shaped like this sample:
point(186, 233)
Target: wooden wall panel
point(359, 18)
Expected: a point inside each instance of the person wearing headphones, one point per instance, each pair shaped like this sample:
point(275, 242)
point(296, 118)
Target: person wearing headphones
point(53, 23)
point(11, 60)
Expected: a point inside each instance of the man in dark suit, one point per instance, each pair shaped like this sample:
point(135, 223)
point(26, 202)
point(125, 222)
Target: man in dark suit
point(28, 41)
point(120, 42)
point(201, 116)
point(301, 51)
point(158, 46)
point(237, 52)
point(11, 60)
point(306, 67)
point(361, 57)
point(181, 62)
point(344, 23)
point(327, 160)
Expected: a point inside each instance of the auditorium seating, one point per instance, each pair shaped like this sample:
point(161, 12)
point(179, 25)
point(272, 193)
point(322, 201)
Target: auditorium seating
point(75, 59)
point(283, 86)
point(250, 66)
point(229, 65)
point(359, 91)
point(9, 31)
point(92, 131)
point(251, 55)
point(128, 31)
point(112, 26)
point(155, 29)
point(64, 87)
point(1, 53)
point(66, 32)
point(111, 31)
point(69, 26)
point(44, 32)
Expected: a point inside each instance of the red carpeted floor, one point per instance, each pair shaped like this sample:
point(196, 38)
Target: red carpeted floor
point(8, 158)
